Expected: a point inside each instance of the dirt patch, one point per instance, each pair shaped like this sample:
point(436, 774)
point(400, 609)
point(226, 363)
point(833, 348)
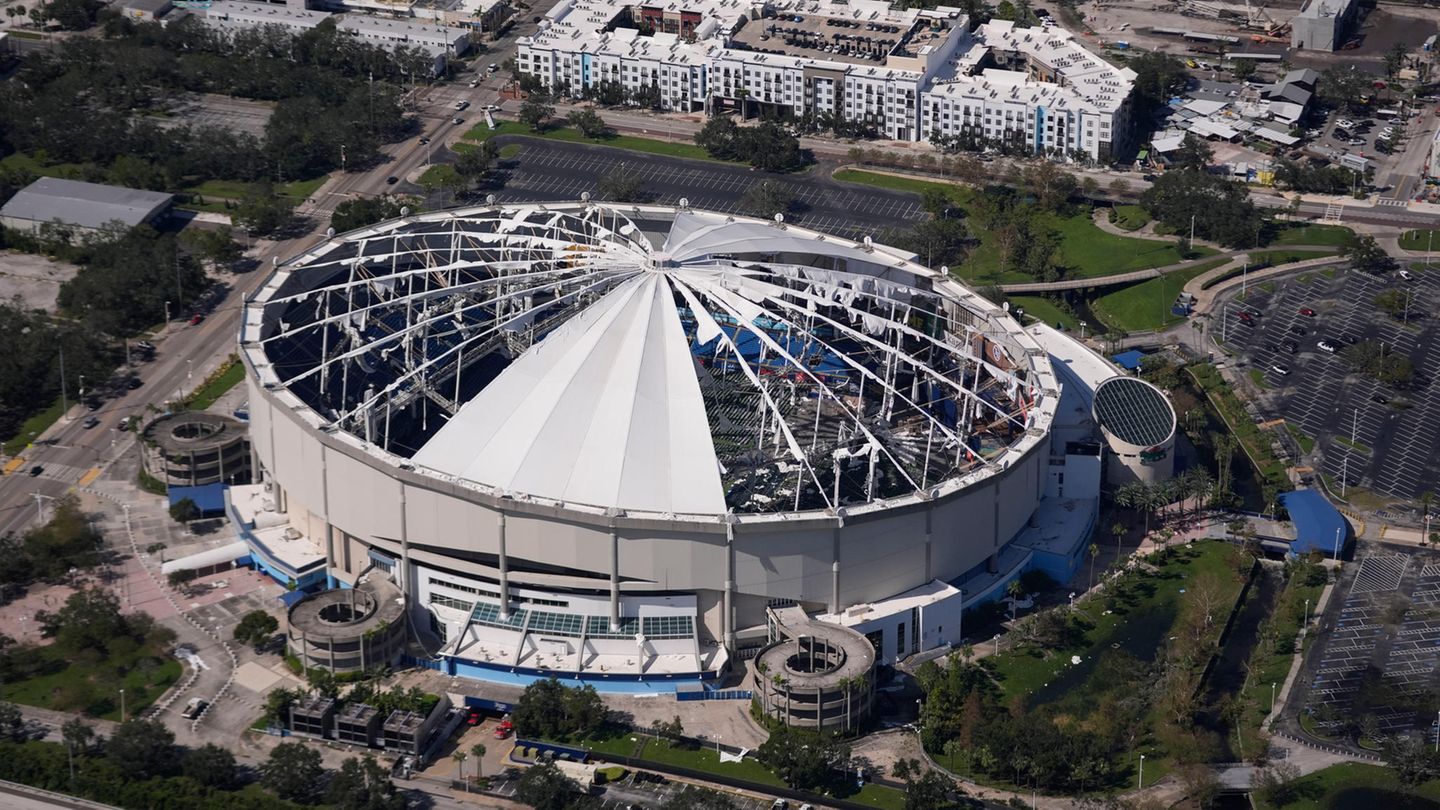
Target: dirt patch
point(35, 280)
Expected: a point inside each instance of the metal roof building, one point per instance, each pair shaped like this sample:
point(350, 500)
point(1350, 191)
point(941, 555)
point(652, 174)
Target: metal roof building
point(90, 206)
point(1138, 424)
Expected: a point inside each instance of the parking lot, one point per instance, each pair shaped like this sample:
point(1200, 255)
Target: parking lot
point(1379, 647)
point(1370, 435)
point(546, 171)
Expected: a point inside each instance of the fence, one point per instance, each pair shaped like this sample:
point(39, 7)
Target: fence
point(714, 694)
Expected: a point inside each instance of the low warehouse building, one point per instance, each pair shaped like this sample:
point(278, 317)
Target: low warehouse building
point(84, 206)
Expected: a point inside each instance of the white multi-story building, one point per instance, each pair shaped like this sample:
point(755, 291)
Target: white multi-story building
point(439, 41)
point(907, 73)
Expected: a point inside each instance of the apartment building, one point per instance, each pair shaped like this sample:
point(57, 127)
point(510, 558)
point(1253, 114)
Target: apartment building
point(907, 73)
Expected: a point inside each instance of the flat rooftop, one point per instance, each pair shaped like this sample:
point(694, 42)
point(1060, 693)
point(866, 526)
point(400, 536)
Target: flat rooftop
point(817, 36)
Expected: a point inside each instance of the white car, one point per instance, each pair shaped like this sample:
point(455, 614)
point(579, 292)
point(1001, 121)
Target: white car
point(1407, 275)
point(1345, 123)
point(1327, 346)
point(1281, 369)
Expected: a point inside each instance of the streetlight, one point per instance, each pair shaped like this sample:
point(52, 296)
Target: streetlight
point(189, 369)
point(1140, 785)
point(122, 707)
point(1082, 329)
point(167, 312)
point(1272, 696)
point(1072, 599)
point(997, 643)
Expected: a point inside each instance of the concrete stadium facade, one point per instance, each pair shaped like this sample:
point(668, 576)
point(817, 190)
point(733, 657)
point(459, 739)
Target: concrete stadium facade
point(464, 552)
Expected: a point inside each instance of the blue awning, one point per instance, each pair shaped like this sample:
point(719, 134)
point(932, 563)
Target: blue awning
point(1319, 525)
point(210, 499)
point(291, 597)
point(1130, 361)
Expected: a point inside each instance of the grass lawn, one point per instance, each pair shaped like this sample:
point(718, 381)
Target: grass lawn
point(437, 175)
point(1303, 439)
point(216, 387)
point(510, 150)
point(1313, 235)
point(67, 684)
point(1275, 257)
point(1353, 785)
point(1363, 448)
point(219, 190)
point(1258, 377)
point(895, 183)
point(1145, 305)
point(33, 426)
point(675, 148)
point(1421, 240)
point(1044, 310)
point(1085, 250)
point(1131, 217)
point(22, 162)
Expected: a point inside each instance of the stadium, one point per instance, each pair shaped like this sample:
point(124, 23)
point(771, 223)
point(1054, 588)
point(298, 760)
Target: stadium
point(612, 442)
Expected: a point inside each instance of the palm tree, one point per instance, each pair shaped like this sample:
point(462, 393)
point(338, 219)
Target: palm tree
point(1094, 552)
point(478, 751)
point(1016, 592)
point(1118, 529)
point(459, 757)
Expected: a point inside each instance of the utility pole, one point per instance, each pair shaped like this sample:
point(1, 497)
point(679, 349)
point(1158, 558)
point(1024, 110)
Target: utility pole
point(64, 404)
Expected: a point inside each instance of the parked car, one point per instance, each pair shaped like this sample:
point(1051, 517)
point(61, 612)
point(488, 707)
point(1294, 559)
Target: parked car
point(1290, 346)
point(90, 422)
point(1307, 312)
point(194, 708)
point(461, 104)
point(457, 120)
point(196, 318)
point(1407, 275)
point(505, 729)
point(1326, 346)
point(1281, 369)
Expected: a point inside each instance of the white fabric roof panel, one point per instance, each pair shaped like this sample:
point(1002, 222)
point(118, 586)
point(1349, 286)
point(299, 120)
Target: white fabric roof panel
point(605, 410)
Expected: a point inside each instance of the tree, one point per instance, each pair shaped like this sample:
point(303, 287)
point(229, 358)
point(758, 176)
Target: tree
point(534, 113)
point(925, 788)
point(211, 766)
point(261, 211)
point(621, 186)
point(143, 749)
point(362, 784)
point(1395, 59)
point(1242, 68)
point(1158, 77)
point(1366, 254)
point(1344, 86)
point(293, 771)
point(719, 137)
point(1094, 552)
point(766, 199)
point(474, 164)
point(358, 212)
point(1220, 208)
point(277, 705)
point(12, 722)
point(544, 787)
point(184, 510)
point(805, 760)
point(89, 620)
point(71, 15)
point(78, 736)
point(1276, 784)
point(1412, 761)
point(1395, 303)
point(478, 751)
point(459, 758)
point(181, 578)
point(1194, 154)
point(551, 710)
point(1202, 784)
point(589, 122)
point(217, 246)
point(256, 627)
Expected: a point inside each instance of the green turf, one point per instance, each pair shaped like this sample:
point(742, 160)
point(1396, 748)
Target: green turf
point(299, 190)
point(218, 190)
point(437, 175)
point(1354, 786)
point(1145, 306)
point(206, 395)
point(1258, 377)
point(1044, 309)
point(1287, 256)
point(144, 678)
point(707, 760)
point(1085, 250)
point(1421, 240)
point(1335, 235)
point(1353, 445)
point(1303, 439)
point(32, 428)
point(23, 163)
point(679, 147)
point(895, 183)
point(1131, 217)
point(510, 150)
